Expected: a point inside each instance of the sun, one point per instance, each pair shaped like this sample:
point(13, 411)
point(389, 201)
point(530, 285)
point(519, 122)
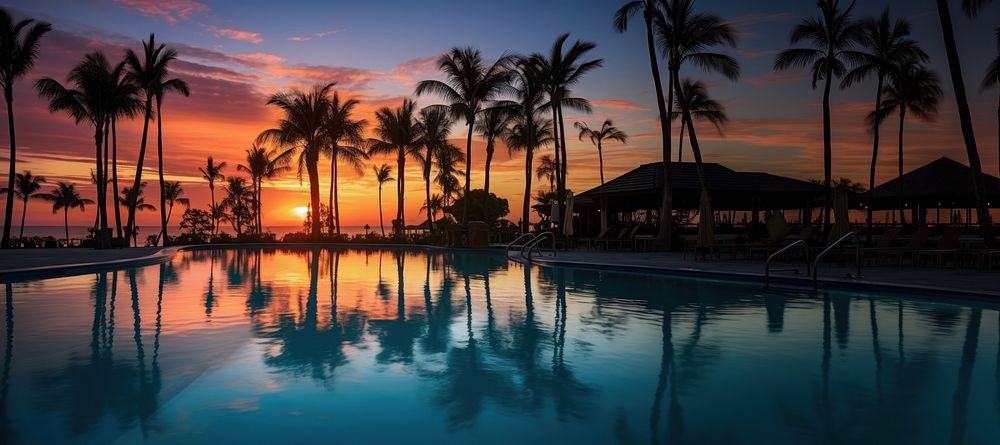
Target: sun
point(301, 212)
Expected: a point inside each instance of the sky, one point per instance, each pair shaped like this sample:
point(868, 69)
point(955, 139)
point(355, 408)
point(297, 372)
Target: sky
point(234, 54)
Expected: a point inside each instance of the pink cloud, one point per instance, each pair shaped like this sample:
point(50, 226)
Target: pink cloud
point(318, 35)
point(168, 10)
point(235, 34)
point(619, 104)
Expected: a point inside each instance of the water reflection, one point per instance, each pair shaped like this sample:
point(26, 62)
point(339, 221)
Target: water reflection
point(481, 344)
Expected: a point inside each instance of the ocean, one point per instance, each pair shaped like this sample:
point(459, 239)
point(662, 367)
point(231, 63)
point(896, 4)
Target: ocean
point(81, 232)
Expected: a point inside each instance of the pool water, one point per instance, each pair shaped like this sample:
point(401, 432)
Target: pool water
point(408, 346)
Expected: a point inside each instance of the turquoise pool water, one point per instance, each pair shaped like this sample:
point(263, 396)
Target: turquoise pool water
point(400, 347)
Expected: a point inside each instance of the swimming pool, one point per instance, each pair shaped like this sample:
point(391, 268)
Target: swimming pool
point(412, 346)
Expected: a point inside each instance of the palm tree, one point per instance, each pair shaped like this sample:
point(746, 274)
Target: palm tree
point(608, 131)
point(529, 91)
point(124, 103)
point(702, 107)
point(432, 206)
point(992, 80)
point(383, 174)
point(887, 46)
point(831, 35)
point(397, 134)
point(263, 164)
point(18, 50)
point(470, 85)
point(166, 86)
point(344, 143)
point(651, 11)
point(174, 193)
point(25, 186)
point(490, 127)
point(212, 172)
point(547, 170)
point(92, 79)
point(239, 202)
point(689, 36)
point(912, 88)
point(434, 126)
point(136, 200)
point(301, 127)
point(526, 137)
point(64, 197)
point(447, 160)
point(149, 72)
point(972, 8)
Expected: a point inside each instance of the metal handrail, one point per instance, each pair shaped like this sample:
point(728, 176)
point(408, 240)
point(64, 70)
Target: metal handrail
point(767, 264)
point(528, 235)
point(535, 243)
point(857, 253)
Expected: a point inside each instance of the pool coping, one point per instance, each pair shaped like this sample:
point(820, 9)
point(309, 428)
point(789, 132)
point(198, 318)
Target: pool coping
point(166, 253)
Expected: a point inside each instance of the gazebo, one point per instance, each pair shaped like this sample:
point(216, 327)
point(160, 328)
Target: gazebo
point(941, 184)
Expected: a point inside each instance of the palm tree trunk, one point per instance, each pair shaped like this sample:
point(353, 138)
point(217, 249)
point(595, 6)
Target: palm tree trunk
point(871, 172)
point(526, 206)
point(827, 150)
point(336, 197)
point(8, 94)
point(664, 235)
point(427, 189)
point(998, 136)
point(211, 190)
point(555, 145)
point(468, 171)
point(260, 206)
point(400, 187)
point(965, 115)
point(159, 160)
point(313, 172)
point(565, 165)
point(381, 221)
point(24, 211)
point(130, 222)
point(680, 143)
point(102, 222)
point(695, 147)
point(600, 160)
point(489, 160)
point(331, 200)
point(114, 177)
point(66, 223)
point(902, 213)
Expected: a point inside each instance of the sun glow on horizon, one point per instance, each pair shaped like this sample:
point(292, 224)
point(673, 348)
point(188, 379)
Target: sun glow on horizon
point(301, 212)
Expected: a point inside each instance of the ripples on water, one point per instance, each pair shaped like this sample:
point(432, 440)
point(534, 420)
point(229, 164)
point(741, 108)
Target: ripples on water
point(381, 346)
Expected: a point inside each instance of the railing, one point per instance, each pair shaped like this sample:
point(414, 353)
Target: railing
point(857, 253)
point(767, 264)
point(524, 236)
point(535, 245)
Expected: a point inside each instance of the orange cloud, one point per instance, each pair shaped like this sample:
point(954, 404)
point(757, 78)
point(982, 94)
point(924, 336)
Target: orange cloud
point(235, 34)
point(168, 10)
point(318, 35)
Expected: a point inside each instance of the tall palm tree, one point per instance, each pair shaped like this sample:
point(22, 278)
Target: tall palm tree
point(263, 164)
point(65, 197)
point(886, 46)
point(383, 174)
point(831, 36)
point(148, 71)
point(560, 71)
point(302, 129)
point(434, 126)
point(529, 91)
point(607, 131)
point(526, 137)
point(702, 108)
point(212, 172)
point(490, 127)
point(912, 88)
point(25, 186)
point(165, 86)
point(174, 194)
point(18, 50)
point(396, 134)
point(92, 79)
point(992, 80)
point(547, 170)
point(971, 8)
point(651, 11)
point(469, 86)
point(136, 200)
point(124, 103)
point(239, 203)
point(345, 142)
point(690, 36)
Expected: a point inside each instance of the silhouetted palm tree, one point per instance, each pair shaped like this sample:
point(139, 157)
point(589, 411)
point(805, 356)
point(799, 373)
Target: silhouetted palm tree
point(650, 10)
point(174, 194)
point(212, 172)
point(344, 143)
point(703, 108)
point(886, 47)
point(432, 206)
point(396, 134)
point(526, 109)
point(263, 164)
point(526, 137)
point(148, 71)
point(239, 202)
point(992, 80)
point(137, 201)
point(125, 103)
point(547, 170)
point(490, 127)
point(383, 174)
point(972, 8)
point(64, 197)
point(18, 50)
point(165, 86)
point(831, 35)
point(302, 129)
point(25, 186)
point(469, 87)
point(447, 161)
point(92, 79)
point(911, 88)
point(434, 126)
point(608, 131)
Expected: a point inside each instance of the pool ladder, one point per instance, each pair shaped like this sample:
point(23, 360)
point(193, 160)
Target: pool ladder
point(530, 243)
point(814, 269)
point(526, 237)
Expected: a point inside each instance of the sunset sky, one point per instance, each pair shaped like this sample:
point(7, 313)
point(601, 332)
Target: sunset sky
point(233, 54)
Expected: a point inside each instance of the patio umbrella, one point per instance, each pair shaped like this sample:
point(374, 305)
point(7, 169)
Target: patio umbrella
point(706, 225)
point(842, 223)
point(568, 223)
point(554, 212)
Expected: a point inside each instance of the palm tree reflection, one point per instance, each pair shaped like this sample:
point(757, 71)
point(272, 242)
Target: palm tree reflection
point(6, 428)
point(397, 336)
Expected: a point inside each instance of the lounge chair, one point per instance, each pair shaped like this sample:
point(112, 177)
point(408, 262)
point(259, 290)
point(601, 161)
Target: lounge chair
point(884, 242)
point(590, 243)
point(918, 241)
point(606, 242)
point(946, 245)
point(629, 239)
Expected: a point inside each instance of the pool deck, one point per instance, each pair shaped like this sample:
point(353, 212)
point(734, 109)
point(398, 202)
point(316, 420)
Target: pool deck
point(41, 260)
